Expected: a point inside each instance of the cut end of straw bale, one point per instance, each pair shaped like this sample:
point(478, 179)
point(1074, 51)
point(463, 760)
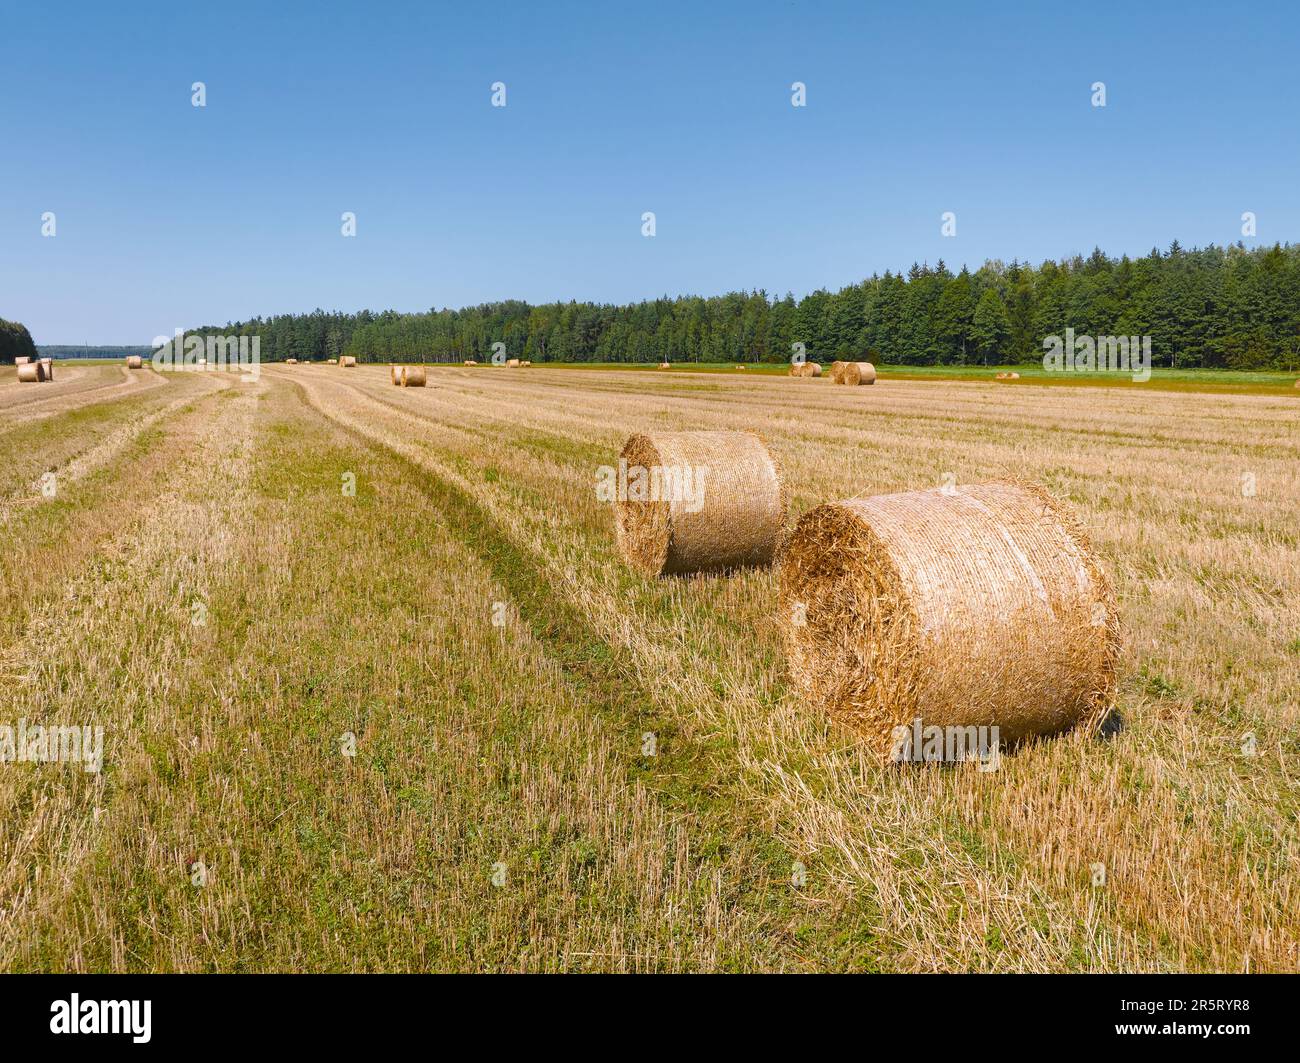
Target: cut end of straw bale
point(855, 373)
point(962, 607)
point(692, 502)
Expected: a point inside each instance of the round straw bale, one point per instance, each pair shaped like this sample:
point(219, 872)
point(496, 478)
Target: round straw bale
point(855, 373)
point(470, 361)
point(347, 361)
point(512, 363)
point(740, 367)
point(525, 364)
point(29, 373)
point(22, 359)
point(134, 361)
point(668, 365)
point(413, 376)
point(971, 606)
point(291, 361)
point(1297, 383)
point(47, 365)
point(837, 372)
point(395, 372)
point(698, 502)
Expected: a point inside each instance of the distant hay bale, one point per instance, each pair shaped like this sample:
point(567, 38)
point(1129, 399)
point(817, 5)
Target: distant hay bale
point(1007, 376)
point(525, 364)
point(134, 361)
point(970, 606)
point(30, 373)
point(512, 363)
point(740, 367)
point(855, 373)
point(22, 359)
point(413, 376)
point(1297, 383)
point(47, 367)
point(470, 361)
point(698, 502)
point(806, 369)
point(668, 365)
point(291, 361)
point(347, 361)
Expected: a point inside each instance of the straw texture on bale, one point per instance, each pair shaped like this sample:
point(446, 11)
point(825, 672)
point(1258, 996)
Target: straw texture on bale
point(133, 361)
point(29, 373)
point(972, 606)
point(855, 373)
point(395, 372)
point(736, 492)
point(348, 361)
point(22, 359)
point(837, 372)
point(806, 369)
point(413, 376)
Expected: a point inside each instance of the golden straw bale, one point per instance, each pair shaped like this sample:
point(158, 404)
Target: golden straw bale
point(134, 361)
point(22, 359)
point(512, 363)
point(413, 376)
point(470, 361)
point(347, 361)
point(291, 361)
point(665, 365)
point(968, 606)
point(47, 365)
point(855, 373)
point(837, 372)
point(698, 502)
point(30, 373)
point(395, 372)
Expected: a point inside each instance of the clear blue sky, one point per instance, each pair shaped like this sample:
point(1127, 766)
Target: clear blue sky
point(170, 215)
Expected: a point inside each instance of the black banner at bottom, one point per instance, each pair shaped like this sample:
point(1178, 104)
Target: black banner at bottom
point(1220, 1012)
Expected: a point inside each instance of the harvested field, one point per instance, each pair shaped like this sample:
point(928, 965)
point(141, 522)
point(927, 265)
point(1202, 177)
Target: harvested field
point(575, 765)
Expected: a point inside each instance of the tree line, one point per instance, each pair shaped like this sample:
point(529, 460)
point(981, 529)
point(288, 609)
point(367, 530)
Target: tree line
point(15, 342)
point(1214, 307)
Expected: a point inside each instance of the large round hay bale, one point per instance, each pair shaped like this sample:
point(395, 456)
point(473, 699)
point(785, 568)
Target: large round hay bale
point(413, 376)
point(470, 361)
point(30, 373)
point(291, 361)
point(698, 502)
point(837, 372)
point(962, 607)
point(855, 373)
point(22, 359)
point(347, 361)
point(47, 364)
point(665, 365)
point(134, 361)
point(512, 363)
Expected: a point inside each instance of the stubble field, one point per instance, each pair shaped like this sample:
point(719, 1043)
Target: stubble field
point(562, 764)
